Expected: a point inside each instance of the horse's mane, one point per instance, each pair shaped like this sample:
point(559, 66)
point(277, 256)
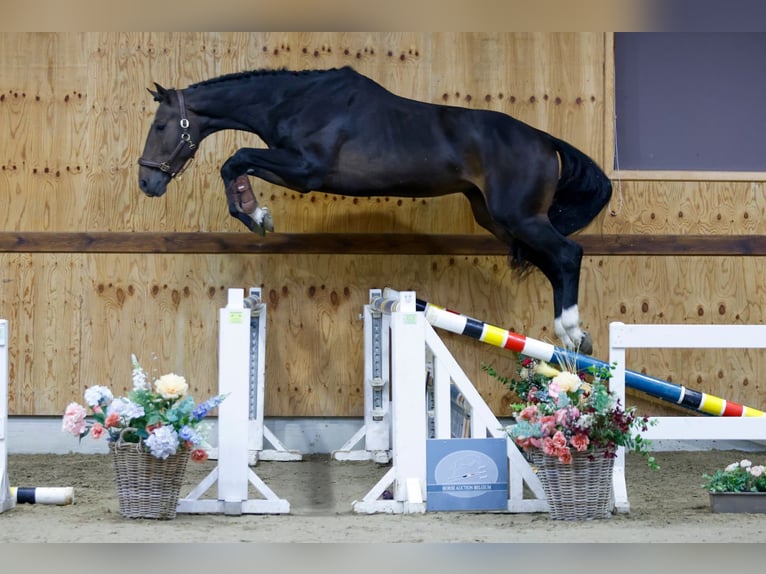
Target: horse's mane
point(236, 76)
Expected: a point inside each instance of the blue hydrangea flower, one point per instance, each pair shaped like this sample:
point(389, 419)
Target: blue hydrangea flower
point(190, 434)
point(163, 442)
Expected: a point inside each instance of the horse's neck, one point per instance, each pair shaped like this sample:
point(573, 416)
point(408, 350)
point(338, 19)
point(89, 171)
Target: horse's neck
point(244, 106)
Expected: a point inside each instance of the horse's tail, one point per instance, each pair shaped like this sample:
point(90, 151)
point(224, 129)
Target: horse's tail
point(582, 192)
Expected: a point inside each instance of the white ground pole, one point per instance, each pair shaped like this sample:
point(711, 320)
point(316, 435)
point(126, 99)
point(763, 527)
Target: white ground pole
point(7, 501)
point(413, 342)
point(376, 429)
point(623, 336)
point(233, 473)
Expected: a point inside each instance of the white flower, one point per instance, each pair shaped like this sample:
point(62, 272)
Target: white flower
point(567, 382)
point(126, 409)
point(745, 463)
point(585, 421)
point(95, 395)
point(732, 467)
point(756, 471)
point(139, 376)
point(171, 386)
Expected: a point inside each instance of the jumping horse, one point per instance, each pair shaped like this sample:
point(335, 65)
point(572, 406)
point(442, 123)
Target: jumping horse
point(339, 132)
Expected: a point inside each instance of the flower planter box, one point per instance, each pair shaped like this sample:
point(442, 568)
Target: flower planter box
point(753, 502)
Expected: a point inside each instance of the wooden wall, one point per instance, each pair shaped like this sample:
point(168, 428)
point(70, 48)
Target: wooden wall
point(74, 112)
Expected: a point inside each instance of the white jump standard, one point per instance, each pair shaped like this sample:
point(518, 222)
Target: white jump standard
point(376, 430)
point(417, 354)
point(7, 501)
point(233, 473)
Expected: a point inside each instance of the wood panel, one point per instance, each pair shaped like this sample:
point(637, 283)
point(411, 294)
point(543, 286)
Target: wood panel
point(91, 271)
point(75, 319)
point(70, 164)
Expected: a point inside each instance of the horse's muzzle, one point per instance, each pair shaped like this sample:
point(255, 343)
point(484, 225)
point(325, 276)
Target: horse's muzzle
point(153, 184)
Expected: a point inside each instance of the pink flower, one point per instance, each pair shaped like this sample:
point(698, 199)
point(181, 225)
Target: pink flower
point(97, 430)
point(565, 456)
point(74, 419)
point(559, 440)
point(548, 424)
point(553, 390)
point(528, 413)
point(113, 420)
point(549, 447)
point(580, 442)
point(199, 455)
point(562, 416)
point(524, 442)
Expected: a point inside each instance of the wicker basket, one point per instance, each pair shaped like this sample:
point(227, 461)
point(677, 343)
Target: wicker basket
point(147, 487)
point(581, 490)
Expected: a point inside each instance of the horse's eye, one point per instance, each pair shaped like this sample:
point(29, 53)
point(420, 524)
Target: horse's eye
point(159, 127)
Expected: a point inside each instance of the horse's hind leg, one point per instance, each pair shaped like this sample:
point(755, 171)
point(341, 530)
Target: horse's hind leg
point(565, 283)
point(556, 256)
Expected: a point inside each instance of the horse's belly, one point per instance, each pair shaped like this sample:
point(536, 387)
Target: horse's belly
point(404, 178)
point(373, 185)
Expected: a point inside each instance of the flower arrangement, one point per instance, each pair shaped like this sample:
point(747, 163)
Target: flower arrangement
point(162, 415)
point(563, 411)
point(742, 476)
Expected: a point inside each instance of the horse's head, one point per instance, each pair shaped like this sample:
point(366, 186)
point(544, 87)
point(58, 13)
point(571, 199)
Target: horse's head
point(170, 145)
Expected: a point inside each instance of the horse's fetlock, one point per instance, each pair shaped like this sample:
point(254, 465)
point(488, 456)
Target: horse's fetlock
point(570, 318)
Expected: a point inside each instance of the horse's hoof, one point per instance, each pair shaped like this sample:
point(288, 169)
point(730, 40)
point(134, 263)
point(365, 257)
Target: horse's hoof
point(586, 344)
point(255, 228)
point(267, 222)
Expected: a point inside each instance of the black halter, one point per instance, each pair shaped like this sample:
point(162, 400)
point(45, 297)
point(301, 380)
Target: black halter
point(175, 165)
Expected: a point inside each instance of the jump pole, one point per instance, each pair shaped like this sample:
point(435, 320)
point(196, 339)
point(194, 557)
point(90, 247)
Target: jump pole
point(7, 501)
point(460, 324)
point(58, 495)
point(728, 420)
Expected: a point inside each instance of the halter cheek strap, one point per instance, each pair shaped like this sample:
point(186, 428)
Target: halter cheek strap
point(175, 165)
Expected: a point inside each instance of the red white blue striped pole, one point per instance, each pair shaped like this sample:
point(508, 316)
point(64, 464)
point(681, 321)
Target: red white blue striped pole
point(455, 322)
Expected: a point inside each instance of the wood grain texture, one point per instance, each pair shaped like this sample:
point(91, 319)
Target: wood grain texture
point(76, 318)
point(365, 243)
point(91, 270)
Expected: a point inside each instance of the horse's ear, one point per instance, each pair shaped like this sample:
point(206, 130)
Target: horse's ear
point(160, 95)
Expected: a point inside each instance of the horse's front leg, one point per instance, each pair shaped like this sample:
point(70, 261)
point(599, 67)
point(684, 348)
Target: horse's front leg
point(287, 168)
point(244, 206)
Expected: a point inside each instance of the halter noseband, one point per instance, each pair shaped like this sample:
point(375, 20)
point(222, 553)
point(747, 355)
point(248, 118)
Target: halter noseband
point(174, 165)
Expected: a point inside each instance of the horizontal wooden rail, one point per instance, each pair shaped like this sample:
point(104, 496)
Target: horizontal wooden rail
point(362, 243)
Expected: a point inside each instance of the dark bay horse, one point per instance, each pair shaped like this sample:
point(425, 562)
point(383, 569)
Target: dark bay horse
point(339, 132)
